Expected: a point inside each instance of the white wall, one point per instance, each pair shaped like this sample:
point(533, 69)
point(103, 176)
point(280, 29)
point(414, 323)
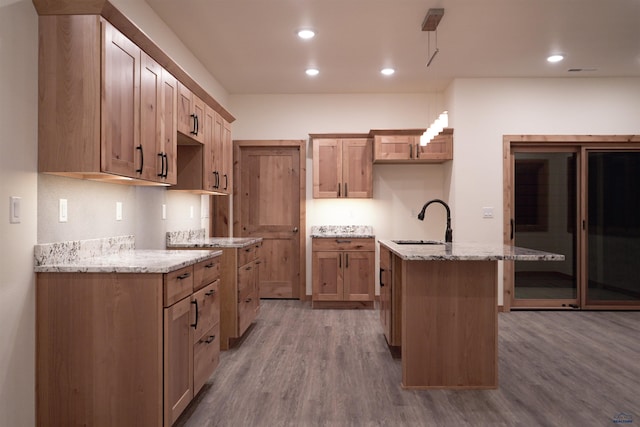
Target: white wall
point(399, 190)
point(483, 110)
point(18, 164)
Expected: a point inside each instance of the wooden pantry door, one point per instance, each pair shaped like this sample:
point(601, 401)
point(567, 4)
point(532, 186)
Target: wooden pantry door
point(269, 202)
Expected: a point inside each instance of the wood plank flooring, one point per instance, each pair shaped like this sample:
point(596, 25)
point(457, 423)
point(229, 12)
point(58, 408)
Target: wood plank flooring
point(304, 367)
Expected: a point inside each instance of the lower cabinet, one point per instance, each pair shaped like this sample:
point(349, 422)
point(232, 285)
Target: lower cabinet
point(239, 294)
point(116, 349)
point(390, 297)
point(343, 273)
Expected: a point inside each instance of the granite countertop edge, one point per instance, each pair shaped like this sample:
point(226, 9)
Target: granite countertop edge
point(468, 252)
point(133, 261)
point(342, 236)
point(216, 242)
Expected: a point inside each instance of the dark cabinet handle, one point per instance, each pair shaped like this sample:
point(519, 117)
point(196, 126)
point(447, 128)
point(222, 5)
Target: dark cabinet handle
point(417, 151)
point(381, 270)
point(161, 174)
point(346, 193)
point(211, 292)
point(511, 228)
point(197, 124)
point(258, 262)
point(184, 276)
point(248, 300)
point(166, 165)
point(195, 325)
point(139, 147)
point(339, 185)
point(210, 265)
point(226, 181)
point(210, 339)
point(411, 151)
point(339, 260)
point(342, 241)
point(248, 268)
point(194, 130)
point(346, 264)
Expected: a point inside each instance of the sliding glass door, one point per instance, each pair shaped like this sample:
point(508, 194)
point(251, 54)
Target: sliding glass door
point(613, 228)
point(545, 217)
point(580, 198)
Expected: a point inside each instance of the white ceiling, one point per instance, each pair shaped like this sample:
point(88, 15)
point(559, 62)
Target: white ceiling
point(250, 46)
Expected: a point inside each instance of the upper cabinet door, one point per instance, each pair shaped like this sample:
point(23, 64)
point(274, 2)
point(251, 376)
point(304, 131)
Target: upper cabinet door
point(169, 127)
point(150, 119)
point(327, 168)
point(190, 114)
point(394, 147)
point(357, 168)
point(121, 152)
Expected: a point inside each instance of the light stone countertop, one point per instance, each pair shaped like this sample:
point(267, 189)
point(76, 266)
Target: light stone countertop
point(342, 231)
point(468, 252)
point(197, 239)
point(132, 261)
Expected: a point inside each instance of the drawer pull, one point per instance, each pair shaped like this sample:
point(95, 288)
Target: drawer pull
point(342, 241)
point(248, 249)
point(211, 292)
point(248, 300)
point(211, 265)
point(195, 325)
point(381, 270)
point(184, 276)
point(248, 268)
point(210, 339)
point(258, 262)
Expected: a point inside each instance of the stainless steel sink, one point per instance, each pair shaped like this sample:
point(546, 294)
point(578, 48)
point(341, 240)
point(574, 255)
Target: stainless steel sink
point(417, 242)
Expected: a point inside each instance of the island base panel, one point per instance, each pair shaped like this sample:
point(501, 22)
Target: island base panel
point(450, 325)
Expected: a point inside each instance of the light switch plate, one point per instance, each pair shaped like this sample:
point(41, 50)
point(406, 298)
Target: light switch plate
point(62, 210)
point(14, 209)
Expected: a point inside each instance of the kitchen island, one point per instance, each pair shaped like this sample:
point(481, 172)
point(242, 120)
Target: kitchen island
point(449, 310)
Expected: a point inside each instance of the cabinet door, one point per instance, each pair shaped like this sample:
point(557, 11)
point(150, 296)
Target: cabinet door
point(394, 147)
point(327, 268)
point(227, 158)
point(359, 283)
point(248, 297)
point(211, 177)
point(198, 111)
point(190, 114)
point(169, 127)
point(327, 168)
point(357, 168)
point(217, 150)
point(385, 291)
point(178, 359)
point(151, 158)
point(120, 147)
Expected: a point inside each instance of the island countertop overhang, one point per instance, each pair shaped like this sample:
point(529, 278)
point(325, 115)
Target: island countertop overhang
point(468, 252)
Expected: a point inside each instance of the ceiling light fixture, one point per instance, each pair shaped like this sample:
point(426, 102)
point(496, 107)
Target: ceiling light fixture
point(436, 127)
point(430, 24)
point(306, 34)
point(555, 58)
point(312, 71)
point(387, 71)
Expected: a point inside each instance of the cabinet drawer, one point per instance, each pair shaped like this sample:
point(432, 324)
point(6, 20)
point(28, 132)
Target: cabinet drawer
point(342, 244)
point(208, 303)
point(247, 311)
point(206, 355)
point(177, 285)
point(248, 254)
point(206, 272)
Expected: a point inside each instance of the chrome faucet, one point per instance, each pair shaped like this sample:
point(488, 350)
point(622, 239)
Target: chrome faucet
point(448, 234)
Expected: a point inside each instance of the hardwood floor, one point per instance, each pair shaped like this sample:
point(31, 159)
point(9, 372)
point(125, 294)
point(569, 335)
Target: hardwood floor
point(303, 367)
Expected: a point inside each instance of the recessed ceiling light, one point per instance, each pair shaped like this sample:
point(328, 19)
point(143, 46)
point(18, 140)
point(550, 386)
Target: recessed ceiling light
point(387, 71)
point(555, 58)
point(312, 71)
point(306, 33)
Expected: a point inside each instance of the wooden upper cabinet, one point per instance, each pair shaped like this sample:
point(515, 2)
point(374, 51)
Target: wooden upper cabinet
point(167, 144)
point(191, 111)
point(403, 146)
point(342, 168)
point(100, 106)
point(227, 157)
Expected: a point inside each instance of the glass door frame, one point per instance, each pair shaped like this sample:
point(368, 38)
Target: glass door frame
point(579, 144)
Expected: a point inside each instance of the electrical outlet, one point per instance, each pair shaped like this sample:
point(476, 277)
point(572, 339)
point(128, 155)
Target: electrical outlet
point(118, 211)
point(62, 210)
point(487, 212)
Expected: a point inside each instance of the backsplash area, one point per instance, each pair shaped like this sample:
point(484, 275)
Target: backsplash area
point(70, 251)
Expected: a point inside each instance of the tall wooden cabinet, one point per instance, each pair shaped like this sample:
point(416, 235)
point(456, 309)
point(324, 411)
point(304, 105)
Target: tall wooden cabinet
point(124, 348)
point(342, 167)
point(90, 109)
point(343, 272)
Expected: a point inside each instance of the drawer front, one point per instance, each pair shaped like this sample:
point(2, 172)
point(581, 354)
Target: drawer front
point(206, 355)
point(343, 244)
point(246, 279)
point(249, 253)
point(208, 303)
point(177, 285)
point(247, 311)
point(206, 272)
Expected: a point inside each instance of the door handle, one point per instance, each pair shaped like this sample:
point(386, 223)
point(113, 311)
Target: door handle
point(295, 229)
